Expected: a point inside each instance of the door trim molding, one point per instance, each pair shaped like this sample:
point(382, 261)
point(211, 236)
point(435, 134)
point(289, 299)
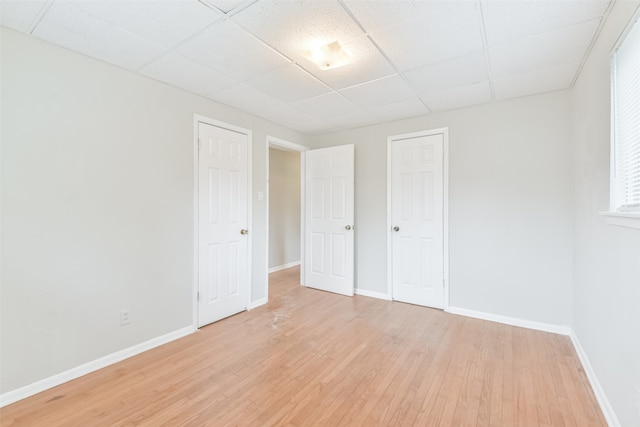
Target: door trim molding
point(197, 118)
point(281, 144)
point(445, 218)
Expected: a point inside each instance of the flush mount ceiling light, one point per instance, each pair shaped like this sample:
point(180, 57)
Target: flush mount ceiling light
point(328, 56)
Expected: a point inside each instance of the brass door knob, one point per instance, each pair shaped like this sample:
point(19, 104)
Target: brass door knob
point(243, 231)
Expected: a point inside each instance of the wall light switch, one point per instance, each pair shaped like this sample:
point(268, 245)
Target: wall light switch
point(260, 195)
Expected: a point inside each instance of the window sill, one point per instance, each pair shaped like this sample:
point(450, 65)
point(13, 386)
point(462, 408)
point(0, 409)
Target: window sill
point(623, 219)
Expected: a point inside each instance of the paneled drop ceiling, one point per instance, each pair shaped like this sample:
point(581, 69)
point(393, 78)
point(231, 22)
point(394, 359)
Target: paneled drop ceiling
point(409, 58)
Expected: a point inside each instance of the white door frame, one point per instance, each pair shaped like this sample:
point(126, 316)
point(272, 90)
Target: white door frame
point(273, 142)
point(445, 193)
point(197, 118)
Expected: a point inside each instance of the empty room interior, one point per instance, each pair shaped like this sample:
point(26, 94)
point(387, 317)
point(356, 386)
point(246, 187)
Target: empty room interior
point(320, 212)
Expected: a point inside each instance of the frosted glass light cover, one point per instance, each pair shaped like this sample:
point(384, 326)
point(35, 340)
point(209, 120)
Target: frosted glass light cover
point(329, 56)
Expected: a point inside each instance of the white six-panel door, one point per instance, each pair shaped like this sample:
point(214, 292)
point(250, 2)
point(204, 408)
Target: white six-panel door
point(417, 221)
point(329, 217)
point(223, 278)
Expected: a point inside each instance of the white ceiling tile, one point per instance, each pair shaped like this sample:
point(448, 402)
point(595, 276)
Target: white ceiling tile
point(545, 50)
point(535, 82)
point(69, 26)
point(293, 27)
point(317, 127)
point(225, 6)
point(288, 84)
point(179, 71)
point(245, 98)
point(284, 113)
point(240, 52)
point(163, 22)
point(287, 116)
point(460, 71)
point(230, 50)
point(399, 110)
point(325, 105)
point(20, 15)
point(377, 15)
point(427, 39)
point(367, 64)
point(507, 21)
point(478, 93)
point(349, 120)
point(379, 92)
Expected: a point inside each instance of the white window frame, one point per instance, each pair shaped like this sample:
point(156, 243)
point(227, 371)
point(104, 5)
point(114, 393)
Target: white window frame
point(619, 215)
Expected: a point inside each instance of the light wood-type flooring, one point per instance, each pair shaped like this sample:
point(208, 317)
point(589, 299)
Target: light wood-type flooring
point(311, 358)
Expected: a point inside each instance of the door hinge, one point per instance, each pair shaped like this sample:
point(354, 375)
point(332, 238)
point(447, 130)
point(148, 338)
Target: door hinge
point(198, 295)
point(199, 145)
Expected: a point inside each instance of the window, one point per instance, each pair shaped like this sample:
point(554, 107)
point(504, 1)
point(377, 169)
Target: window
point(625, 153)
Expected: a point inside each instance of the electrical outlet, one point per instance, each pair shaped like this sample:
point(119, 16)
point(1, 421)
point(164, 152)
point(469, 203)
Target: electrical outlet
point(124, 317)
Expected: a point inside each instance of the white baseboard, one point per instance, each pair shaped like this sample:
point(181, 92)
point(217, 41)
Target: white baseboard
point(71, 374)
point(598, 391)
point(84, 369)
point(513, 321)
point(283, 266)
point(605, 405)
point(372, 294)
point(258, 303)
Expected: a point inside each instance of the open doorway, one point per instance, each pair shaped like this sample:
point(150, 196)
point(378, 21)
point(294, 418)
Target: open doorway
point(285, 198)
point(284, 209)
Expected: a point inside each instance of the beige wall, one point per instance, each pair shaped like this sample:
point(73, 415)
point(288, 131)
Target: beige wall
point(284, 207)
point(97, 207)
point(606, 258)
point(510, 199)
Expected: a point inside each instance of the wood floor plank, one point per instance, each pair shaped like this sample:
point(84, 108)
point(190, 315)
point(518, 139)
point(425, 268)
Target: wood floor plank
point(314, 358)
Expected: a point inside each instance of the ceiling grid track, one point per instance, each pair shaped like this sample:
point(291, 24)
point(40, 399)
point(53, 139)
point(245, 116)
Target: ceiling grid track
point(43, 12)
point(603, 21)
point(407, 58)
point(485, 43)
point(386, 57)
point(172, 48)
point(282, 54)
